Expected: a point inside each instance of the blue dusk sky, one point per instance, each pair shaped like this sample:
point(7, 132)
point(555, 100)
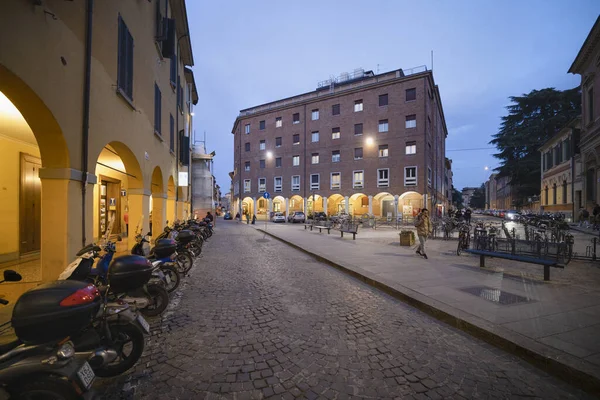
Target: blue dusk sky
point(253, 52)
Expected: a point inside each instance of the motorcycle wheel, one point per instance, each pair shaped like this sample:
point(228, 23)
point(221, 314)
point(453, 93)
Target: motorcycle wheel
point(171, 271)
point(160, 301)
point(47, 387)
point(128, 341)
point(184, 262)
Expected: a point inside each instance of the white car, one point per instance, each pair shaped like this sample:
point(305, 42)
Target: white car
point(297, 216)
point(278, 217)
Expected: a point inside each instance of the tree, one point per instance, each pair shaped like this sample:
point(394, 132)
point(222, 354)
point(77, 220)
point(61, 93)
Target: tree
point(478, 198)
point(532, 119)
point(457, 198)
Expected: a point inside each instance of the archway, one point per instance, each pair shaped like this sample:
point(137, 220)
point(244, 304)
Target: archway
point(409, 204)
point(158, 202)
point(383, 205)
point(41, 195)
point(247, 207)
point(335, 204)
point(296, 204)
point(314, 203)
point(171, 196)
point(118, 195)
point(279, 204)
point(262, 208)
point(359, 204)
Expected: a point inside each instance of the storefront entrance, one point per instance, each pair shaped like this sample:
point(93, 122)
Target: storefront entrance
point(110, 207)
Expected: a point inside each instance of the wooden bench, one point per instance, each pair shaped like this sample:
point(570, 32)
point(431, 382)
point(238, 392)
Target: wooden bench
point(307, 225)
point(352, 229)
point(321, 227)
point(546, 263)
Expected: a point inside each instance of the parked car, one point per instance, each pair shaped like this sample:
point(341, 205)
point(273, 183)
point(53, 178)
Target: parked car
point(227, 216)
point(319, 216)
point(511, 214)
point(297, 216)
point(278, 217)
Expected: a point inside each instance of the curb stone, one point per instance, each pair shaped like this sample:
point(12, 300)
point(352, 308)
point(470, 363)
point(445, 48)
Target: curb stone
point(566, 367)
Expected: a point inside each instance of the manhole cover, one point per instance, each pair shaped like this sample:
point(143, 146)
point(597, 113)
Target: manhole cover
point(496, 295)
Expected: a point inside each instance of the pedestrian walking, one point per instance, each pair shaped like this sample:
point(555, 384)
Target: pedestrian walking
point(584, 215)
point(247, 218)
point(253, 219)
point(596, 214)
point(423, 225)
point(458, 215)
point(468, 216)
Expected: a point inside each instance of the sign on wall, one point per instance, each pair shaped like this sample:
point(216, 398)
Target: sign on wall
point(183, 179)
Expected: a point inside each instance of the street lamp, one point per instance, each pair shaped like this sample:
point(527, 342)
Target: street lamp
point(369, 141)
point(269, 154)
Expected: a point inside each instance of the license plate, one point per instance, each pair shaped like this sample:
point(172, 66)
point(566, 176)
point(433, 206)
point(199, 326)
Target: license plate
point(86, 375)
point(144, 324)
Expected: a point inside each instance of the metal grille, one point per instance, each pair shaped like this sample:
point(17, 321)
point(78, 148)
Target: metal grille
point(496, 295)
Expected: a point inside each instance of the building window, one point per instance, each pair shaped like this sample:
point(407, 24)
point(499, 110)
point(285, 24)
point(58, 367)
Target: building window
point(358, 179)
point(278, 162)
point(566, 146)
point(315, 182)
point(296, 161)
point(315, 158)
point(411, 147)
point(247, 129)
point(157, 109)
point(546, 195)
point(429, 176)
point(173, 72)
point(335, 109)
point(411, 121)
point(262, 164)
point(590, 105)
point(247, 166)
point(278, 122)
point(278, 184)
point(171, 133)
point(125, 61)
point(262, 185)
point(262, 145)
point(383, 150)
point(315, 114)
point(358, 129)
point(554, 194)
point(336, 180)
point(335, 156)
point(247, 146)
point(296, 118)
point(564, 192)
point(278, 141)
point(383, 100)
point(261, 125)
point(295, 183)
point(358, 153)
point(358, 105)
point(315, 137)
point(411, 94)
point(247, 186)
point(296, 139)
point(410, 176)
point(383, 125)
point(335, 133)
point(383, 177)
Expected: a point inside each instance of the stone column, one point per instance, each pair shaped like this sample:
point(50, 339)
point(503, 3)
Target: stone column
point(61, 218)
point(304, 206)
point(171, 216)
point(396, 207)
point(347, 205)
point(139, 210)
point(159, 213)
point(287, 207)
point(370, 205)
point(325, 205)
point(253, 208)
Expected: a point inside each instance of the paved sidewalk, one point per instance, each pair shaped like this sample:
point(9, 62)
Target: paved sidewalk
point(554, 324)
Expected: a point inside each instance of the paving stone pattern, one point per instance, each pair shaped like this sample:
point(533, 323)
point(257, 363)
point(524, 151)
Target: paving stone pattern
point(258, 319)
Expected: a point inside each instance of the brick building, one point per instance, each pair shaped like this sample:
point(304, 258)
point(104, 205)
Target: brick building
point(361, 144)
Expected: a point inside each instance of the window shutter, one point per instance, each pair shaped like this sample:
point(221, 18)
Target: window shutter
point(184, 150)
point(129, 72)
point(168, 45)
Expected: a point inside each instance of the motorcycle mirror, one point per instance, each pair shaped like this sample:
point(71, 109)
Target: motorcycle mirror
point(12, 276)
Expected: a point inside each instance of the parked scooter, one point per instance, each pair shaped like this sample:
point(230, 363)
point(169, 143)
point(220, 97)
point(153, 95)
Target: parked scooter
point(39, 362)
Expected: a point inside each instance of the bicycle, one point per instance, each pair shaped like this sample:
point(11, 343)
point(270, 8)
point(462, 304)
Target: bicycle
point(464, 238)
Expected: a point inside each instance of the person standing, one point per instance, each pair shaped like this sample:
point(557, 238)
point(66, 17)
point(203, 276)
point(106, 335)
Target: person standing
point(468, 216)
point(423, 225)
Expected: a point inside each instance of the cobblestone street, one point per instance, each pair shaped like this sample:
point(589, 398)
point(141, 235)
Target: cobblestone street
point(257, 319)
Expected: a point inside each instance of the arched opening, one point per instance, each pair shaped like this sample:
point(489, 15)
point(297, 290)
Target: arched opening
point(158, 202)
point(279, 204)
point(335, 204)
point(314, 203)
point(171, 196)
point(296, 204)
point(554, 202)
point(118, 176)
point(247, 207)
point(40, 227)
point(358, 204)
point(383, 205)
point(262, 208)
point(409, 204)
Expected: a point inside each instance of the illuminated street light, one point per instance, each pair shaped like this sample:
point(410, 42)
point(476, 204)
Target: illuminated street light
point(369, 141)
point(486, 168)
point(269, 154)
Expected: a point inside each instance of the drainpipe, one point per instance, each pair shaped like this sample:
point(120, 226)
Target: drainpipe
point(86, 112)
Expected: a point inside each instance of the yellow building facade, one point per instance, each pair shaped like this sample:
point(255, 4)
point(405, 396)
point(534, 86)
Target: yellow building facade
point(96, 105)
